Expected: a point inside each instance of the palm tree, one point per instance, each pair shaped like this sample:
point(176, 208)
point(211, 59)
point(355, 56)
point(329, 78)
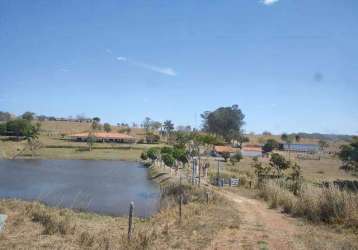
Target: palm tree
point(168, 127)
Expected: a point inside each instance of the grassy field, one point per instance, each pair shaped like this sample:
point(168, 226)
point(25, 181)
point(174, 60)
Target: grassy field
point(55, 147)
point(313, 171)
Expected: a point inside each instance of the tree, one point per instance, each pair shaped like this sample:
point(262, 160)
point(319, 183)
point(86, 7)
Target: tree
point(168, 160)
point(18, 127)
point(28, 116)
point(147, 124)
point(5, 116)
point(168, 126)
point(91, 139)
point(155, 125)
point(166, 150)
point(297, 138)
point(107, 127)
point(180, 154)
point(144, 156)
point(279, 162)
point(31, 134)
point(152, 138)
point(42, 117)
point(182, 138)
point(96, 119)
point(269, 146)
point(349, 156)
point(153, 153)
point(296, 177)
point(266, 133)
point(224, 121)
point(323, 145)
point(242, 139)
point(237, 157)
point(261, 170)
point(3, 130)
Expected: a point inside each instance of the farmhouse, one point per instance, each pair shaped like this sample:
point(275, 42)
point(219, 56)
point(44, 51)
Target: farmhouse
point(218, 150)
point(103, 137)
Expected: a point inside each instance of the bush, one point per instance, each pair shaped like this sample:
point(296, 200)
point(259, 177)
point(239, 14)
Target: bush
point(168, 160)
point(153, 153)
point(166, 150)
point(3, 129)
point(237, 157)
point(144, 156)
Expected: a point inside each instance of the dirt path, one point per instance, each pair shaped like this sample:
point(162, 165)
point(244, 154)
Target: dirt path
point(260, 227)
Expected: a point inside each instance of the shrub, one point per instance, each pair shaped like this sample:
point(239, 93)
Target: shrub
point(53, 222)
point(168, 160)
point(144, 156)
point(153, 153)
point(237, 157)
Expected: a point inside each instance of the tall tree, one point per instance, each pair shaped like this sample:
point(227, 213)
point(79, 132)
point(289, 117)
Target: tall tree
point(168, 126)
point(107, 127)
point(147, 124)
point(96, 123)
point(28, 116)
point(224, 121)
point(31, 134)
point(5, 116)
point(349, 156)
point(155, 125)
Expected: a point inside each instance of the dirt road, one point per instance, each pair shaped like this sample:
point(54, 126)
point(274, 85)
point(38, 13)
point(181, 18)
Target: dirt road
point(260, 227)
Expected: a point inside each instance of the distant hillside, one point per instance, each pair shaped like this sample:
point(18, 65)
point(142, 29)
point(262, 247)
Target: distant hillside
point(319, 136)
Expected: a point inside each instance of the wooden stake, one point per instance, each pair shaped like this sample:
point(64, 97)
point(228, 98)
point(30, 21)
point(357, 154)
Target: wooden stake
point(130, 217)
point(180, 205)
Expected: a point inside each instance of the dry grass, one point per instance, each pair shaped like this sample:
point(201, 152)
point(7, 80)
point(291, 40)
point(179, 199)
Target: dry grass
point(329, 205)
point(32, 225)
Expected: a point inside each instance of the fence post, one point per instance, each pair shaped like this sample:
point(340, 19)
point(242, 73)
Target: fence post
point(130, 217)
point(207, 198)
point(180, 206)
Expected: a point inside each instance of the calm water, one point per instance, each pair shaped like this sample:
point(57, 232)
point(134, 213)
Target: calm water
point(97, 186)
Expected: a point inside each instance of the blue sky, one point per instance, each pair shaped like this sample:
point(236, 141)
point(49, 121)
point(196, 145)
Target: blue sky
point(290, 65)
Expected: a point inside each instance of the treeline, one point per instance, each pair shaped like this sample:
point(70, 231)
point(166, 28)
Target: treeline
point(19, 128)
point(6, 116)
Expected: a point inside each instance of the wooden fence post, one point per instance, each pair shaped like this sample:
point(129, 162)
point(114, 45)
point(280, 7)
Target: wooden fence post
point(207, 198)
point(180, 206)
point(130, 217)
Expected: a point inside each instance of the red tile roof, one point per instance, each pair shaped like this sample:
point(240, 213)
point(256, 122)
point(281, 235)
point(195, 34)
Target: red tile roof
point(251, 147)
point(224, 149)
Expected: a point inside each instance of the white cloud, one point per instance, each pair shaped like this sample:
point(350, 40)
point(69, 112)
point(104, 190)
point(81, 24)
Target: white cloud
point(121, 58)
point(162, 70)
point(269, 2)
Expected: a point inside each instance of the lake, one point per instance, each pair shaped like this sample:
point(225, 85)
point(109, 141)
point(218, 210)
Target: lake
point(105, 187)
